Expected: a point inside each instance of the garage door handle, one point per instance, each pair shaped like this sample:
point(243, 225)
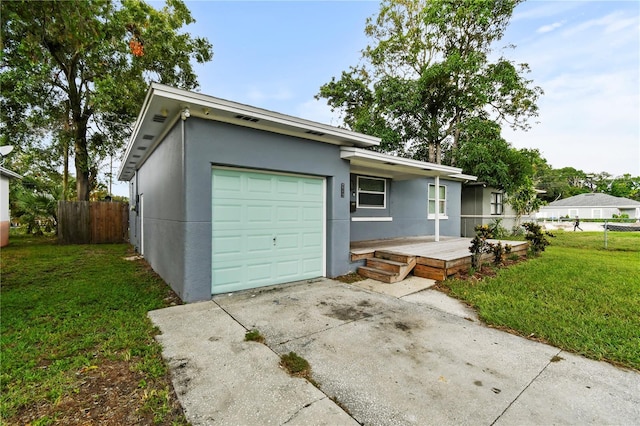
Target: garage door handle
point(274, 241)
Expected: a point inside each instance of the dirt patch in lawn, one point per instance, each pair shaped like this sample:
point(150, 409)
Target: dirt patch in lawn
point(107, 394)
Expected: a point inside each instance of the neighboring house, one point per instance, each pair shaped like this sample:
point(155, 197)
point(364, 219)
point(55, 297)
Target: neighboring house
point(483, 205)
point(5, 216)
point(590, 206)
point(226, 197)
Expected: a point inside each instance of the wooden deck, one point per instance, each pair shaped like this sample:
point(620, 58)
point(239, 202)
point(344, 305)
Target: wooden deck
point(434, 260)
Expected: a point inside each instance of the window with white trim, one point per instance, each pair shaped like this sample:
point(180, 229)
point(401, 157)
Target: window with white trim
point(442, 211)
point(596, 213)
point(372, 193)
point(496, 203)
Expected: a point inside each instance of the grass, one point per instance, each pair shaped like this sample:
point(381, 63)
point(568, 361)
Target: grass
point(74, 321)
point(295, 365)
point(254, 336)
point(576, 296)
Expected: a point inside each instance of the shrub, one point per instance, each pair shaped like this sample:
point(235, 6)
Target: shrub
point(479, 245)
point(537, 238)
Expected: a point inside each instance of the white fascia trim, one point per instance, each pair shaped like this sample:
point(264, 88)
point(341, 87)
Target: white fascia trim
point(349, 153)
point(8, 173)
point(462, 176)
point(136, 129)
point(219, 104)
point(372, 219)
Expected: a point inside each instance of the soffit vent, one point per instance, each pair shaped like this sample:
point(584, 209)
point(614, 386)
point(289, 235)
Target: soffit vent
point(247, 118)
point(159, 118)
point(147, 137)
point(142, 148)
point(136, 156)
point(313, 132)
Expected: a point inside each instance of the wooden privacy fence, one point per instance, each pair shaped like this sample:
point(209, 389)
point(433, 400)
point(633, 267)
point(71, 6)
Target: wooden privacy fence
point(92, 222)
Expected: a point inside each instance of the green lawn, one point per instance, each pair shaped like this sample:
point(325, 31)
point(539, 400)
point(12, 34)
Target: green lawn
point(576, 296)
point(74, 321)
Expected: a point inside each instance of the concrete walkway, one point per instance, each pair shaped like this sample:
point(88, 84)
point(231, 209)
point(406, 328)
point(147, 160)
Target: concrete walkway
point(412, 360)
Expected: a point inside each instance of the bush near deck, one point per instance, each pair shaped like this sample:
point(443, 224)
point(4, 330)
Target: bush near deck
point(576, 296)
point(77, 346)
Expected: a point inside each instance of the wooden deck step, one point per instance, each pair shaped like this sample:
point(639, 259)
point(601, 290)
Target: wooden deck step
point(388, 267)
point(377, 274)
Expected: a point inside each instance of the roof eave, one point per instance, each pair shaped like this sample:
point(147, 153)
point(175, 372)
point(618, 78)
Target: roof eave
point(8, 173)
point(363, 160)
point(169, 102)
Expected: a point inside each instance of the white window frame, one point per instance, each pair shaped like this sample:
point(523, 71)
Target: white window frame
point(596, 213)
point(497, 204)
point(360, 191)
point(443, 203)
point(573, 213)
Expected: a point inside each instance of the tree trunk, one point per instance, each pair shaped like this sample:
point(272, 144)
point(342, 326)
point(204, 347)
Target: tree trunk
point(65, 172)
point(82, 162)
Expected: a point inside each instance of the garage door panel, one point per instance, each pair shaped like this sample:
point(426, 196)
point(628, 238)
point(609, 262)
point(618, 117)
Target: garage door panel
point(259, 244)
point(257, 213)
point(233, 275)
point(288, 269)
point(312, 189)
point(310, 265)
point(227, 245)
point(249, 210)
point(259, 272)
point(227, 183)
point(259, 184)
point(227, 213)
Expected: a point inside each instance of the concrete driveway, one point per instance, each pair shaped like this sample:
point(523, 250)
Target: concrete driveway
point(377, 360)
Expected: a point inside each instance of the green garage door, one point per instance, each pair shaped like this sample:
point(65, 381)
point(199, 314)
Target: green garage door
point(266, 229)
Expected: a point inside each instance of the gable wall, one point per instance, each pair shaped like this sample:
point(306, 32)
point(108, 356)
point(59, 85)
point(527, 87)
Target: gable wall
point(160, 184)
point(213, 143)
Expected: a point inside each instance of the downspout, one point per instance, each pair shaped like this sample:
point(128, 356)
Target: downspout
point(437, 208)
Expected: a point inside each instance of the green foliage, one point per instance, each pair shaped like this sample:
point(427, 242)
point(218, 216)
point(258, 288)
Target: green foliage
point(497, 230)
point(427, 72)
point(498, 251)
point(65, 308)
point(71, 75)
point(482, 152)
point(295, 365)
point(537, 238)
point(625, 186)
point(254, 336)
point(577, 296)
point(480, 245)
point(524, 198)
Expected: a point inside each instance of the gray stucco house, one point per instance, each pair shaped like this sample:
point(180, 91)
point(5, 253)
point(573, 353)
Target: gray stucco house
point(226, 197)
point(590, 206)
point(482, 205)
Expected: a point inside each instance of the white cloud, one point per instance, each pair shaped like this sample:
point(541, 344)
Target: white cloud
point(589, 114)
point(550, 27)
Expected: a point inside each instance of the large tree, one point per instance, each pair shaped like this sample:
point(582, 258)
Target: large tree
point(76, 72)
point(427, 71)
point(482, 152)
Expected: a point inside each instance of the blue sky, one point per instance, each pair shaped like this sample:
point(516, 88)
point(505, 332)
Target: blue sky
point(585, 55)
